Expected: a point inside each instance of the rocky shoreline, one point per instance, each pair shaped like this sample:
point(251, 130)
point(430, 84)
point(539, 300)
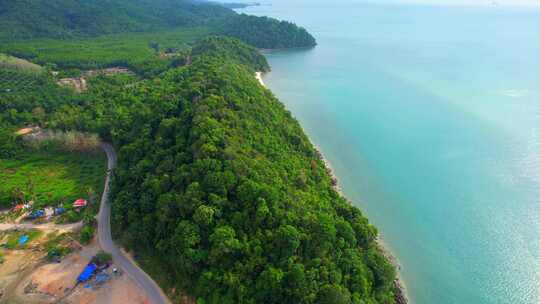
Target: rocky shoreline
point(400, 294)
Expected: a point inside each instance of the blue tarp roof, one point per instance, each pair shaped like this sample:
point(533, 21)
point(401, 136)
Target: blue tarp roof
point(87, 272)
point(23, 239)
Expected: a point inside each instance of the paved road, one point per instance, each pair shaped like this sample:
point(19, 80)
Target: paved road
point(154, 293)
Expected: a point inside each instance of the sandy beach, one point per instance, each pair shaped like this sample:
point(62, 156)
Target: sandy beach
point(259, 75)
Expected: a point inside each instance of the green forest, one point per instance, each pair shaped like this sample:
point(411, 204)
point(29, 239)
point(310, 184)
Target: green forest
point(65, 19)
point(218, 191)
point(267, 33)
point(79, 19)
point(232, 194)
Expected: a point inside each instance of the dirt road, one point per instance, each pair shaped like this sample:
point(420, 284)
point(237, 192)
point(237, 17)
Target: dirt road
point(45, 226)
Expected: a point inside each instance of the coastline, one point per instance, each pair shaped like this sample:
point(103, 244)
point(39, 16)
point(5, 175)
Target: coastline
point(400, 296)
point(259, 75)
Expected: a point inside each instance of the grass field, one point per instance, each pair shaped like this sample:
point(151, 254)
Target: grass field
point(53, 177)
point(11, 62)
point(109, 50)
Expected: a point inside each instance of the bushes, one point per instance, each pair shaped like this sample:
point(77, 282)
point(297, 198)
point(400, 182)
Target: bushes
point(57, 252)
point(9, 144)
point(86, 234)
point(56, 247)
point(102, 258)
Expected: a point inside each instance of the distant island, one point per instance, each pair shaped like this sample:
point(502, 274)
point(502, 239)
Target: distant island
point(234, 5)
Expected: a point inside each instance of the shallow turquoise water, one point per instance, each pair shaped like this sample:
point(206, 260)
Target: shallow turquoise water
point(431, 118)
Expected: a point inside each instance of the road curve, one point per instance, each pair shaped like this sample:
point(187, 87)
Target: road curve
point(153, 292)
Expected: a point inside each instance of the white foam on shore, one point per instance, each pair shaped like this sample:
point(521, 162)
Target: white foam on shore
point(515, 93)
point(382, 245)
point(259, 75)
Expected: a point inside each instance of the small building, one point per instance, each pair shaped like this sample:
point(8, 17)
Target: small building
point(49, 212)
point(59, 210)
point(18, 207)
point(80, 203)
point(87, 273)
point(35, 215)
point(26, 206)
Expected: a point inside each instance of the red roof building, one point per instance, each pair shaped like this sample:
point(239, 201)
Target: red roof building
point(18, 207)
point(80, 203)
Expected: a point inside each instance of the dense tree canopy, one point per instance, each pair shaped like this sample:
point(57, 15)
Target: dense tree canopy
point(219, 184)
point(232, 50)
point(69, 19)
point(217, 190)
point(267, 33)
point(84, 18)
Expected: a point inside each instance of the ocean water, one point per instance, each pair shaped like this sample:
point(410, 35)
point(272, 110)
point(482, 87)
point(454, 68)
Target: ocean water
point(430, 116)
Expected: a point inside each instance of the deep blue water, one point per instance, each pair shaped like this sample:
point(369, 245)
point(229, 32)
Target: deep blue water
point(430, 117)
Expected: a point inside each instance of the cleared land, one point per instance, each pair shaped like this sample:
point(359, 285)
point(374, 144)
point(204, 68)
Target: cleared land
point(28, 276)
point(7, 61)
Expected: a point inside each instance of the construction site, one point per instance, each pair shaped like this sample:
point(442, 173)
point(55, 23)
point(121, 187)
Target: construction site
point(48, 265)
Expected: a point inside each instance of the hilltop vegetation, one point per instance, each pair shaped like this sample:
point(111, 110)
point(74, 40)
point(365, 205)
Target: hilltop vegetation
point(218, 183)
point(232, 50)
point(267, 33)
point(218, 190)
point(226, 189)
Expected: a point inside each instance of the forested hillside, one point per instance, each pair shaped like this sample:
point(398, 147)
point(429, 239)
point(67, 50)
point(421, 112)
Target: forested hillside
point(267, 33)
point(231, 49)
point(70, 19)
point(219, 184)
point(88, 18)
point(218, 190)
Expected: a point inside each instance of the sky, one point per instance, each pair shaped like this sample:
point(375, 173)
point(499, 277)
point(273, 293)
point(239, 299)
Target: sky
point(476, 2)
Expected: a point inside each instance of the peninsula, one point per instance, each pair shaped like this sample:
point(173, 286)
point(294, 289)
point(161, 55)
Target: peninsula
point(218, 193)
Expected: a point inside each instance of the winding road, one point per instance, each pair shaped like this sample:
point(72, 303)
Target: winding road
point(154, 293)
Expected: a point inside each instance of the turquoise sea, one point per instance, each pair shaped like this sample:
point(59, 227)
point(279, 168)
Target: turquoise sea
point(430, 116)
